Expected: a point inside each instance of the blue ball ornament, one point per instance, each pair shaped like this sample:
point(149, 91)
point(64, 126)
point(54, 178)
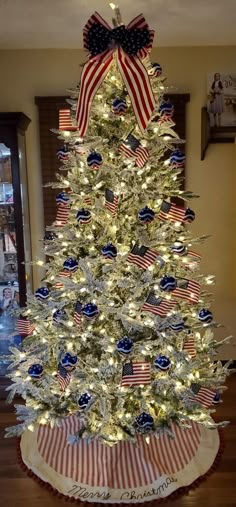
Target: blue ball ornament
point(166, 109)
point(144, 422)
point(162, 363)
point(59, 316)
point(62, 198)
point(216, 399)
point(146, 215)
point(94, 160)
point(119, 106)
point(90, 311)
point(156, 70)
point(109, 251)
point(177, 159)
point(179, 248)
point(125, 345)
point(63, 153)
point(168, 283)
point(42, 293)
point(71, 264)
point(84, 401)
point(83, 216)
point(35, 371)
point(205, 316)
point(189, 215)
point(49, 236)
point(69, 361)
point(177, 326)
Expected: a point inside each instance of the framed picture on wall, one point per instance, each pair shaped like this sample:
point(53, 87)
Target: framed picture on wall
point(221, 100)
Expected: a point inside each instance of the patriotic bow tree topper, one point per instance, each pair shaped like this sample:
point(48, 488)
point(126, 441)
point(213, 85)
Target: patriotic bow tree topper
point(128, 45)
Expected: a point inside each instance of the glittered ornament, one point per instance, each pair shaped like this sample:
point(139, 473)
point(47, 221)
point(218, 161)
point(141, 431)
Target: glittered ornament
point(156, 70)
point(71, 264)
point(177, 326)
point(125, 345)
point(83, 216)
point(146, 215)
point(35, 371)
point(177, 158)
point(49, 236)
point(216, 399)
point(168, 283)
point(189, 215)
point(144, 422)
point(205, 316)
point(94, 160)
point(179, 248)
point(90, 311)
point(162, 363)
point(69, 361)
point(84, 401)
point(166, 110)
point(119, 106)
point(42, 293)
point(60, 316)
point(109, 251)
point(62, 198)
point(63, 153)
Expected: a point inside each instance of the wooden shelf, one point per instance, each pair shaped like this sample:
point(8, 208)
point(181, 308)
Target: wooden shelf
point(213, 135)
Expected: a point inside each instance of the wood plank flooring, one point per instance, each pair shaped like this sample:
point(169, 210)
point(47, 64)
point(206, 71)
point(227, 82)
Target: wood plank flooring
point(219, 490)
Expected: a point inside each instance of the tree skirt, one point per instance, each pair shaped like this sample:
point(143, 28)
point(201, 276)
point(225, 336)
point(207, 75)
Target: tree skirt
point(124, 473)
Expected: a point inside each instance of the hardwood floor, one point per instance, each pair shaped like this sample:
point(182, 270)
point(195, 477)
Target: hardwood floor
point(19, 490)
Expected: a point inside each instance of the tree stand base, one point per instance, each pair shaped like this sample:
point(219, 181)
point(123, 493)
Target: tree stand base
point(124, 473)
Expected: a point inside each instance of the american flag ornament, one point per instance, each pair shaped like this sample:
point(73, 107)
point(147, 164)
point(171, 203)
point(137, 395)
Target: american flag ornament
point(132, 147)
point(189, 347)
point(202, 395)
point(63, 377)
point(193, 257)
point(78, 314)
point(62, 215)
point(136, 373)
point(172, 212)
point(62, 200)
point(24, 326)
point(88, 201)
point(104, 44)
point(65, 122)
point(63, 274)
point(143, 257)
point(111, 201)
point(187, 290)
point(157, 305)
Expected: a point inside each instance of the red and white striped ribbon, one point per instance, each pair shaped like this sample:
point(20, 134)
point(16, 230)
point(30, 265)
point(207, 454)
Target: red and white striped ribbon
point(133, 72)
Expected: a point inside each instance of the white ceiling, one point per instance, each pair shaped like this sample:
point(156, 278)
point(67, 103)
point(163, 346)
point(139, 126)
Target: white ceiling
point(58, 23)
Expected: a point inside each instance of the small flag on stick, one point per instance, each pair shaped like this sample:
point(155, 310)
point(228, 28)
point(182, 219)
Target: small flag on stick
point(132, 147)
point(24, 326)
point(111, 201)
point(136, 373)
point(158, 306)
point(65, 122)
point(63, 377)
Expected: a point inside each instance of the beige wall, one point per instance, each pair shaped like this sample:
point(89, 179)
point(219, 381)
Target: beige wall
point(26, 73)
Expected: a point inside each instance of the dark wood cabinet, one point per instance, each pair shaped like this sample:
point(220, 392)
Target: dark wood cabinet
point(15, 246)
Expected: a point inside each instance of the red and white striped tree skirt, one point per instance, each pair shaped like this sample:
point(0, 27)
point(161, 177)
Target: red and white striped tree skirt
point(124, 473)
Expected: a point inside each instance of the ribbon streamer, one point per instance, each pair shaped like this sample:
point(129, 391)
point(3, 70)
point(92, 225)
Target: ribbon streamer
point(128, 45)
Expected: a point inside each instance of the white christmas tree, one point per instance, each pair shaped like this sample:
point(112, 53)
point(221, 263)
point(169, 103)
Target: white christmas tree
point(120, 332)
